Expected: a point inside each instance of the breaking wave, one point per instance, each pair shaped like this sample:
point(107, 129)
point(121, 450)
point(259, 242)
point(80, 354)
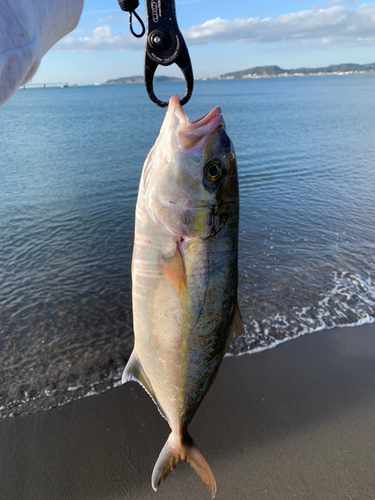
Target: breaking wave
point(350, 302)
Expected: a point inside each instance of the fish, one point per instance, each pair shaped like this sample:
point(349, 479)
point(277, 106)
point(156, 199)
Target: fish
point(184, 275)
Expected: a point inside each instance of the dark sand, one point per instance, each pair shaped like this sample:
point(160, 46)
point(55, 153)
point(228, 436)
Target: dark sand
point(297, 421)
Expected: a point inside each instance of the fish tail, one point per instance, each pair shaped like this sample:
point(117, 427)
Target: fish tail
point(175, 451)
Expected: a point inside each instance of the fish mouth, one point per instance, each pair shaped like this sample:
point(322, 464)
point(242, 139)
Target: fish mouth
point(193, 136)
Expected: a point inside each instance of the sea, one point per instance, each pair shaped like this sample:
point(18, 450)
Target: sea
point(70, 164)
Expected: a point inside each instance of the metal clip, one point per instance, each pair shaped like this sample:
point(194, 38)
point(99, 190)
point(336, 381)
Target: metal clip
point(165, 45)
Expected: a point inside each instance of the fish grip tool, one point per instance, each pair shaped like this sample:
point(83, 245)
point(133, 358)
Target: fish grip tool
point(165, 44)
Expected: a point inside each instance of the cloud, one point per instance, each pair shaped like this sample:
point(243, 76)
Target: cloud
point(337, 24)
point(333, 25)
point(103, 20)
point(329, 3)
point(100, 38)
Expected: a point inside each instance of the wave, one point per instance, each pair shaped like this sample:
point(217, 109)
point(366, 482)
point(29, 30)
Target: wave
point(350, 302)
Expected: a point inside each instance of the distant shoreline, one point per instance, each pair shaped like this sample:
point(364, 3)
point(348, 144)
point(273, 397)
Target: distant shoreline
point(263, 72)
point(287, 75)
point(252, 73)
point(254, 77)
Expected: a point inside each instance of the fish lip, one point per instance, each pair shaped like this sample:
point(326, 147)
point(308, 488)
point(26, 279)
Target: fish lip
point(175, 108)
point(211, 115)
point(193, 136)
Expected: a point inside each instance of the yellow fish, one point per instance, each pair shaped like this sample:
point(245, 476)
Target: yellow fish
point(184, 275)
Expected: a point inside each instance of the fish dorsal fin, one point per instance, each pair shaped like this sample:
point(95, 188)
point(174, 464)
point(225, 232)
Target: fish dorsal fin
point(237, 327)
point(172, 263)
point(134, 371)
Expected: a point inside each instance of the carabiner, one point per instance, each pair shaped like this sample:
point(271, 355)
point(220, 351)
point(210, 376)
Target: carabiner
point(165, 45)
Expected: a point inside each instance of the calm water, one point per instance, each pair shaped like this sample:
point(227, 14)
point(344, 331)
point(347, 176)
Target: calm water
point(70, 162)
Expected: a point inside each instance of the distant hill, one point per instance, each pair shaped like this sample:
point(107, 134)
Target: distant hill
point(141, 79)
point(261, 72)
point(258, 70)
point(270, 71)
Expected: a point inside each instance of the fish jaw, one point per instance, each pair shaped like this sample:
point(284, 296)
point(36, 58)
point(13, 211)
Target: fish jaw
point(178, 134)
point(192, 136)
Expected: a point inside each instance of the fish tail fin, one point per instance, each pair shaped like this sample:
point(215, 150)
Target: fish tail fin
point(169, 457)
point(175, 451)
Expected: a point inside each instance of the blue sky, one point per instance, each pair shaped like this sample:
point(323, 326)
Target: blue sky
point(221, 35)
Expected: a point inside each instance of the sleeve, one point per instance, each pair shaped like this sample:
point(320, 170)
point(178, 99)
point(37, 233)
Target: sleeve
point(28, 29)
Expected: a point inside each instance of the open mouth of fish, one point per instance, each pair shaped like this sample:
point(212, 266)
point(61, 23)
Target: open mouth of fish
point(193, 136)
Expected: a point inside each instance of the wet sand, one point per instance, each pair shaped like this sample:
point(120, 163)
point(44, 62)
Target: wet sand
point(297, 421)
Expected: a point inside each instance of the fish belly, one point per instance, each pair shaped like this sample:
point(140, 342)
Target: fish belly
point(181, 335)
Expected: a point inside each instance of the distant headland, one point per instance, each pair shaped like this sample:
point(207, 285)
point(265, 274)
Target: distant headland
point(276, 71)
point(141, 79)
point(263, 72)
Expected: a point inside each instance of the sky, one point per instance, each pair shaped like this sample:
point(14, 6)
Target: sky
point(222, 36)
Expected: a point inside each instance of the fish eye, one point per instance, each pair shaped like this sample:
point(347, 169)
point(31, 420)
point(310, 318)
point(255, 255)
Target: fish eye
point(213, 171)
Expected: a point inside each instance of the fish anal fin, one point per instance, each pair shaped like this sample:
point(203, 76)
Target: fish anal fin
point(173, 266)
point(134, 372)
point(173, 452)
point(236, 328)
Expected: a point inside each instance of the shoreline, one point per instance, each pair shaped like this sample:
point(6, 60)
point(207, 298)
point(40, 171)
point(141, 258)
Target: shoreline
point(285, 75)
point(296, 421)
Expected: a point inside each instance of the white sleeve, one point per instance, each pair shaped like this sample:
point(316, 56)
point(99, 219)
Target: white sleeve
point(28, 29)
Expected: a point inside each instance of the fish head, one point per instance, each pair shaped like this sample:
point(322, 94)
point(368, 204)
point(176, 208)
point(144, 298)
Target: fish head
point(190, 176)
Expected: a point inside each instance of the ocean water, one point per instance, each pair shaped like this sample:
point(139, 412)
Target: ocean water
point(70, 163)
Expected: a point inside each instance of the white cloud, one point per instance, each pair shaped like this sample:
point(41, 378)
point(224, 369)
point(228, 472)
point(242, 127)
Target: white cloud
point(330, 3)
point(338, 24)
point(100, 38)
point(103, 20)
point(333, 25)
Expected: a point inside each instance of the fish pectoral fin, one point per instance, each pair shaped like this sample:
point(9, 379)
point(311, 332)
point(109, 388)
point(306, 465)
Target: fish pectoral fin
point(134, 371)
point(237, 328)
point(173, 266)
point(173, 452)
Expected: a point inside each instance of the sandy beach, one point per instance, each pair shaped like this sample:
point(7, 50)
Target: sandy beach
point(297, 421)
